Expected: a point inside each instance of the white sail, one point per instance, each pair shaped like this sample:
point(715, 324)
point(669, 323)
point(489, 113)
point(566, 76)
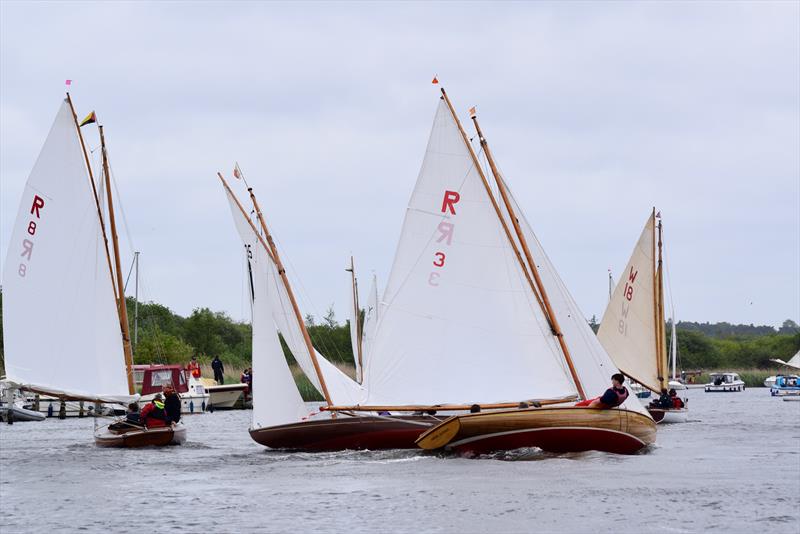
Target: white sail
point(60, 319)
point(459, 323)
point(354, 319)
point(794, 362)
point(342, 389)
point(592, 363)
point(371, 317)
point(628, 329)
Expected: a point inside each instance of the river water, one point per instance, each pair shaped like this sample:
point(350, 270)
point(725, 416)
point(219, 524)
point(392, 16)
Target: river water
point(735, 466)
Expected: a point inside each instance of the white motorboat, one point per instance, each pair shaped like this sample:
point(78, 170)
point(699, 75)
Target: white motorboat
point(223, 396)
point(193, 394)
point(724, 382)
point(770, 381)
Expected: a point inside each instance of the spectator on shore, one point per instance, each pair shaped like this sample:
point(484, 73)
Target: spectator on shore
point(219, 370)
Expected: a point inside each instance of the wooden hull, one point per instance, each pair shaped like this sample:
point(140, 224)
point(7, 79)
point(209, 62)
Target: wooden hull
point(557, 429)
point(346, 433)
point(674, 415)
point(151, 437)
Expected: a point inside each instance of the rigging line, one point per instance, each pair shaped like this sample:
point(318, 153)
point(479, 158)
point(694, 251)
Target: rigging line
point(306, 296)
point(127, 279)
point(122, 210)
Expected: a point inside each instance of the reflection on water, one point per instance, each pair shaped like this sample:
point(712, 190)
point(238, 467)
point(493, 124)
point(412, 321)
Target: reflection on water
point(736, 463)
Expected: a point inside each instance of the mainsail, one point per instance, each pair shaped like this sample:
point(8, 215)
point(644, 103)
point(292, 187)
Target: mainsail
point(274, 297)
point(794, 362)
point(371, 317)
point(60, 319)
point(459, 323)
point(629, 328)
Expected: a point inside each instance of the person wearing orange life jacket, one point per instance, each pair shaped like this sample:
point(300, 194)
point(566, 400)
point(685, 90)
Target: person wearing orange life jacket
point(153, 414)
point(194, 367)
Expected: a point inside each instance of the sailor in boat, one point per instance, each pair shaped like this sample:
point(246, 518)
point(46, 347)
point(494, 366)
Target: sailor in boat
point(172, 404)
point(153, 414)
point(677, 402)
point(663, 401)
point(613, 397)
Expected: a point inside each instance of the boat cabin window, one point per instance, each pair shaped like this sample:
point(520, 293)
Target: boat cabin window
point(159, 378)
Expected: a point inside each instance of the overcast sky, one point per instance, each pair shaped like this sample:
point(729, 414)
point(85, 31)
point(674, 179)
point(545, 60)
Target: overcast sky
point(595, 111)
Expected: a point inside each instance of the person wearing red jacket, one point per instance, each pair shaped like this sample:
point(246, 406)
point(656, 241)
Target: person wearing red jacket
point(153, 414)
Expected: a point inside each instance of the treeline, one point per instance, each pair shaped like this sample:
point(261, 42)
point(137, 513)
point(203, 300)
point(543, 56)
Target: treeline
point(166, 337)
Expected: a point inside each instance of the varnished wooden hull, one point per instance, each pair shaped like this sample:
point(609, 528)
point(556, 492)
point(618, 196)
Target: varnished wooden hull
point(556, 429)
point(151, 437)
point(346, 433)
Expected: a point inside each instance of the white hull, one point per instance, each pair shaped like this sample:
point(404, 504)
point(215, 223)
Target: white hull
point(677, 386)
point(190, 403)
point(20, 414)
point(711, 388)
point(770, 381)
point(792, 398)
point(224, 400)
point(675, 416)
point(73, 408)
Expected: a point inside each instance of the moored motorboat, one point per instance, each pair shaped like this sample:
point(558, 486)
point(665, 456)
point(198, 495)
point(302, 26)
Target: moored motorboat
point(124, 435)
point(553, 429)
point(724, 383)
point(223, 396)
point(193, 394)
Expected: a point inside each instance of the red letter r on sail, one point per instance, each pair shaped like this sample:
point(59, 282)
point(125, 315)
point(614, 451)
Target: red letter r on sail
point(38, 202)
point(451, 198)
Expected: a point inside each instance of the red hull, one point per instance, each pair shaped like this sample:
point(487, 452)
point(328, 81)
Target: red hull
point(558, 440)
point(346, 433)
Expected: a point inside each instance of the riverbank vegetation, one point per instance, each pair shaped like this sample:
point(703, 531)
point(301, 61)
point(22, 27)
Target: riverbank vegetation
point(163, 336)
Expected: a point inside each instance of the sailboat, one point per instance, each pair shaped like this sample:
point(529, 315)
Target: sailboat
point(64, 316)
point(461, 327)
point(280, 418)
point(632, 328)
point(560, 359)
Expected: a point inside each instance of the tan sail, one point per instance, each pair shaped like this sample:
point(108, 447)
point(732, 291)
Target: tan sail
point(630, 327)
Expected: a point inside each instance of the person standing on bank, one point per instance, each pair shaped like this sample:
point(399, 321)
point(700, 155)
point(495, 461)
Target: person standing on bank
point(219, 369)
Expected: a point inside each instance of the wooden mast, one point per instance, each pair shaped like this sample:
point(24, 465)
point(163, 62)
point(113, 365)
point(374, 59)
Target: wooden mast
point(357, 319)
point(492, 199)
point(551, 317)
point(94, 192)
point(295, 307)
point(122, 307)
point(660, 332)
point(246, 217)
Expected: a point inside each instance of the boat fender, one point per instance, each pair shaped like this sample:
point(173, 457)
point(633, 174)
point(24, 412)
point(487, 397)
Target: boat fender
point(191, 406)
point(50, 410)
point(203, 406)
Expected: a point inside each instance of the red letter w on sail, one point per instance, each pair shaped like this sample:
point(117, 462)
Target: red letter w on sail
point(451, 198)
point(632, 276)
point(38, 202)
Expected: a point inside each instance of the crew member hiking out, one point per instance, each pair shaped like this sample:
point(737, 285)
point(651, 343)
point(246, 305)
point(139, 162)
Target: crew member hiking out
point(219, 370)
point(614, 396)
point(153, 414)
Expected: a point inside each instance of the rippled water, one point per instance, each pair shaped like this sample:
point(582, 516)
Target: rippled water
point(734, 466)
